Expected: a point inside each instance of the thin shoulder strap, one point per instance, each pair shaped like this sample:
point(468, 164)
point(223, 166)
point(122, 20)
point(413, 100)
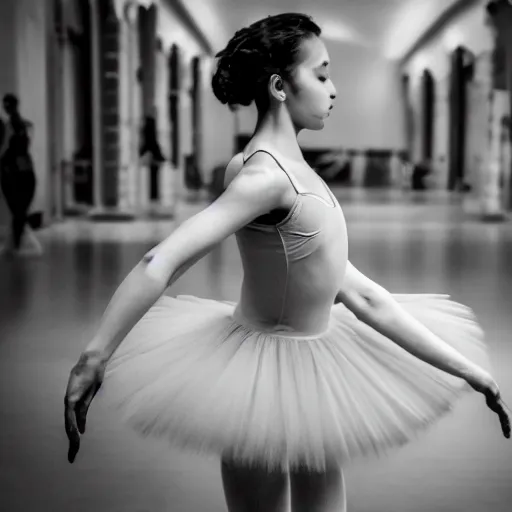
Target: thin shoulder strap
point(292, 179)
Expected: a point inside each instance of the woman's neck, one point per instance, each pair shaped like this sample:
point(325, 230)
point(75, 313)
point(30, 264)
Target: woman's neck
point(275, 129)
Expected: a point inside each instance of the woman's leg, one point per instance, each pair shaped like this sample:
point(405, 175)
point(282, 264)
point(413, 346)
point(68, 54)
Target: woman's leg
point(254, 490)
point(318, 492)
point(25, 184)
point(9, 187)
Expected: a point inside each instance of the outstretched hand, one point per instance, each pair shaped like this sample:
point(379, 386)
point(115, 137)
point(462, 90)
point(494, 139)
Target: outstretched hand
point(84, 382)
point(490, 390)
point(496, 404)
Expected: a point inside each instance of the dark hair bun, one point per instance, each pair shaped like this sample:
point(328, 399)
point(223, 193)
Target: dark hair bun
point(255, 53)
point(238, 76)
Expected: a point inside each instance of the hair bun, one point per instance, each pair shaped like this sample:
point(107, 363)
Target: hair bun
point(237, 77)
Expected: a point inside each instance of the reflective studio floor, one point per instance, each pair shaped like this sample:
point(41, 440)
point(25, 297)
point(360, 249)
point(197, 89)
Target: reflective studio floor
point(50, 306)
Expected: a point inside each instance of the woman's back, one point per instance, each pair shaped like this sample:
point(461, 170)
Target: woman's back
point(293, 268)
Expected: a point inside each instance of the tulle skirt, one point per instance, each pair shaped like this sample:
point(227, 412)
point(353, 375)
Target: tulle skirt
point(190, 374)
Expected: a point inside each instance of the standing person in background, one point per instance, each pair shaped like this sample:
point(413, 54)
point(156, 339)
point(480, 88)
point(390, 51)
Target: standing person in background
point(17, 177)
point(151, 152)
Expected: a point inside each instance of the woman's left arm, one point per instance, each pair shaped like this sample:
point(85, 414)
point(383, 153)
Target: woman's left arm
point(375, 306)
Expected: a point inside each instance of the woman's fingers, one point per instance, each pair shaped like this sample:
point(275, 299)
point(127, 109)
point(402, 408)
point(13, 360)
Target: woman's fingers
point(78, 389)
point(84, 382)
point(71, 429)
point(504, 418)
point(496, 404)
point(83, 407)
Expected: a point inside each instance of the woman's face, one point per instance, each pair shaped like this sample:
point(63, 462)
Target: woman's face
point(310, 93)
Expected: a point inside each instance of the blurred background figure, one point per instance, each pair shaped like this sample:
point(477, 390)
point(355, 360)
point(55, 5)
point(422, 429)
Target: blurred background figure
point(17, 179)
point(151, 154)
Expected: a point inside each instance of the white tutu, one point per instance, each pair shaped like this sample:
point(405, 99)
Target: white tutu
point(188, 372)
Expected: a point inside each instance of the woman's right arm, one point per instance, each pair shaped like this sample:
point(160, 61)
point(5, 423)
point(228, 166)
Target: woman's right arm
point(254, 192)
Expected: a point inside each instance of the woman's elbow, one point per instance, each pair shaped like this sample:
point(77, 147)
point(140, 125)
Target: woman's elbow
point(367, 303)
point(380, 307)
point(378, 297)
point(156, 267)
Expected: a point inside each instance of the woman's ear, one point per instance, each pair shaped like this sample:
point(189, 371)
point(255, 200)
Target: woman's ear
point(276, 87)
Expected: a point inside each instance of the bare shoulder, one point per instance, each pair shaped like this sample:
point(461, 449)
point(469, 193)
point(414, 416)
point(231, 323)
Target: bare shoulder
point(261, 169)
point(233, 168)
point(256, 187)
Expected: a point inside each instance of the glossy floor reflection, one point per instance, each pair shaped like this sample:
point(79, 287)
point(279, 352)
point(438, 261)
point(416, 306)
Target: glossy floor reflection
point(50, 307)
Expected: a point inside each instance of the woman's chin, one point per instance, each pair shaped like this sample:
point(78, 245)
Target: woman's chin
point(319, 125)
point(315, 124)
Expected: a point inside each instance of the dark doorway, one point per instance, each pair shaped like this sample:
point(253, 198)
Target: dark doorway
point(196, 109)
point(462, 71)
point(409, 116)
point(193, 175)
point(428, 105)
point(174, 99)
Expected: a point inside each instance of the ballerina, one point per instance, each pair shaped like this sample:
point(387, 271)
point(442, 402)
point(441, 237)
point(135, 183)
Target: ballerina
point(316, 364)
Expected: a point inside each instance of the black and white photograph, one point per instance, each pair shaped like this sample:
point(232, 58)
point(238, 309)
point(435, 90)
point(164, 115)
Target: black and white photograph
point(255, 255)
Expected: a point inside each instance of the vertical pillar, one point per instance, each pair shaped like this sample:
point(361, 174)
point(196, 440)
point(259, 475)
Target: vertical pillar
point(60, 174)
point(441, 132)
point(196, 113)
point(97, 160)
point(415, 106)
point(147, 46)
point(109, 71)
point(428, 101)
point(193, 176)
point(166, 177)
point(500, 13)
point(123, 63)
point(106, 140)
point(84, 191)
point(161, 93)
point(174, 97)
point(135, 90)
point(129, 101)
point(457, 124)
point(409, 123)
point(69, 121)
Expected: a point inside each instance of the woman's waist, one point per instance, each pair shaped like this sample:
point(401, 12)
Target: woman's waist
point(288, 324)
